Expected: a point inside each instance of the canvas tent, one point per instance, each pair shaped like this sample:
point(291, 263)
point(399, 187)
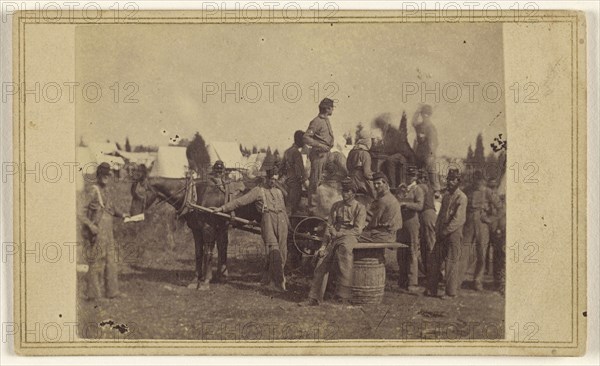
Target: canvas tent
point(171, 162)
point(137, 157)
point(228, 152)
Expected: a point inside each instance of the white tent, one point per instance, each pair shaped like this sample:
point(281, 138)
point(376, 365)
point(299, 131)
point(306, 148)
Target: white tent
point(171, 162)
point(228, 152)
point(137, 157)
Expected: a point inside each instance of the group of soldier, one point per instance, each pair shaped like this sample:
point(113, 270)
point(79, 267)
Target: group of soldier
point(373, 209)
point(370, 212)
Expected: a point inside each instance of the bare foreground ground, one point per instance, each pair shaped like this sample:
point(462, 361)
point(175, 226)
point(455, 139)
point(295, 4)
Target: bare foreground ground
point(157, 262)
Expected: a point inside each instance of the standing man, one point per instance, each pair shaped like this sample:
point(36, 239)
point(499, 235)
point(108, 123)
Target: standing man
point(269, 201)
point(358, 164)
point(449, 228)
point(427, 219)
point(386, 218)
point(292, 169)
point(426, 144)
point(96, 214)
point(408, 259)
point(319, 136)
point(476, 232)
point(346, 222)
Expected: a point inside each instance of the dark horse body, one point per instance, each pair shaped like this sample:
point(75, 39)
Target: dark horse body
point(207, 229)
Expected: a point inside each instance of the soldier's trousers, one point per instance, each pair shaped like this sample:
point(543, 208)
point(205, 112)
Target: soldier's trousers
point(476, 239)
point(339, 252)
point(408, 258)
point(102, 261)
point(317, 163)
point(427, 235)
point(274, 231)
point(429, 163)
point(211, 234)
point(294, 197)
point(446, 248)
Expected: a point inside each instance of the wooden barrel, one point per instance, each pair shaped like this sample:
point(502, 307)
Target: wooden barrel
point(368, 281)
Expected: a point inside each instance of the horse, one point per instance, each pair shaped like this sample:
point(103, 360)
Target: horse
point(207, 229)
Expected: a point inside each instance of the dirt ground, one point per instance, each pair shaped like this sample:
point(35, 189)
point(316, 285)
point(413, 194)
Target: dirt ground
point(156, 262)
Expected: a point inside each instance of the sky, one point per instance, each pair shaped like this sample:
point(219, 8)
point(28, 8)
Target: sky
point(184, 79)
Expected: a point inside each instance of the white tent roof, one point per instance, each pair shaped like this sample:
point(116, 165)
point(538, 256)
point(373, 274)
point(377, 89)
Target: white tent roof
point(171, 162)
point(228, 152)
point(138, 157)
point(102, 147)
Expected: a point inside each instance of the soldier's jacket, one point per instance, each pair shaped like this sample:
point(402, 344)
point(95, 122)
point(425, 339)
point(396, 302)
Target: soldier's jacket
point(413, 202)
point(385, 214)
point(428, 200)
point(453, 213)
point(292, 166)
point(482, 200)
point(319, 134)
point(96, 209)
point(348, 218)
point(359, 167)
point(265, 199)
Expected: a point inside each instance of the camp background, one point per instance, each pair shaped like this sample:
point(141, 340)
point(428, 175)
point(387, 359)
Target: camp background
point(367, 62)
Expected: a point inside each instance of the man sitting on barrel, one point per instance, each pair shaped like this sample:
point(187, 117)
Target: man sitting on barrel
point(386, 218)
point(346, 222)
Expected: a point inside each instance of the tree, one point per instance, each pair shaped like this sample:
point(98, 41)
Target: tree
point(478, 155)
point(469, 155)
point(197, 154)
point(254, 150)
point(81, 143)
point(127, 145)
point(118, 146)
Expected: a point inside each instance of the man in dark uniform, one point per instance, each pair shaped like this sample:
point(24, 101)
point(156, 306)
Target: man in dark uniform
point(449, 229)
point(319, 136)
point(96, 213)
point(408, 259)
point(358, 164)
point(346, 222)
point(292, 171)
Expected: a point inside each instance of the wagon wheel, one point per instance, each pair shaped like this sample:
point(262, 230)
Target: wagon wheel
point(308, 233)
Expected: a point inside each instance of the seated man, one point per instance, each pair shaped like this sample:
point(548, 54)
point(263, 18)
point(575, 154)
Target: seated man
point(346, 222)
point(386, 218)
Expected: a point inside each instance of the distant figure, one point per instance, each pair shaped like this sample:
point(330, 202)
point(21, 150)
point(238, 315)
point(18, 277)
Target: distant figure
point(426, 144)
point(359, 164)
point(319, 136)
point(476, 231)
point(397, 155)
point(449, 230)
point(345, 224)
point(96, 214)
point(139, 190)
point(292, 171)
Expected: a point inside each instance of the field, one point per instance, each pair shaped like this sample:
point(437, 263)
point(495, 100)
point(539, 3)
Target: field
point(156, 262)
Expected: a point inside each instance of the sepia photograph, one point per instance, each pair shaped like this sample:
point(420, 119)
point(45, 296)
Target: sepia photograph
point(320, 181)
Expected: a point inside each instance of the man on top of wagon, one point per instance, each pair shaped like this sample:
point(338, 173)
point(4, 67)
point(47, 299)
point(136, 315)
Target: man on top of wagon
point(319, 136)
point(346, 222)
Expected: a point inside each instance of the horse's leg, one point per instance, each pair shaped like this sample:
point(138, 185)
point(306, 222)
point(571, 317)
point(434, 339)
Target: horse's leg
point(222, 236)
point(199, 252)
point(209, 234)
